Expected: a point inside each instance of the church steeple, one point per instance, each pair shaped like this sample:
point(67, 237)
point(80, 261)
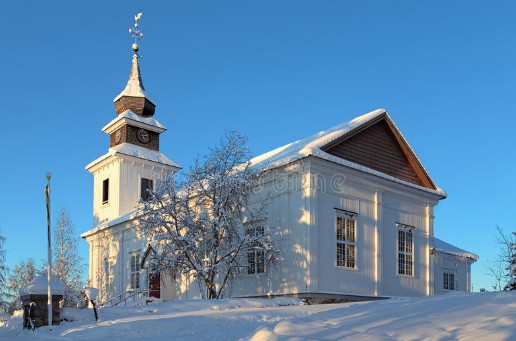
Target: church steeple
point(133, 97)
point(133, 162)
point(135, 123)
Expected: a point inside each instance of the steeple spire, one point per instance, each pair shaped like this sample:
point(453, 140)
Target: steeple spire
point(133, 97)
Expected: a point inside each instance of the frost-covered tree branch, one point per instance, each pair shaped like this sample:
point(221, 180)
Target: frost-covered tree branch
point(511, 284)
point(21, 274)
point(498, 267)
point(4, 295)
point(198, 224)
point(67, 265)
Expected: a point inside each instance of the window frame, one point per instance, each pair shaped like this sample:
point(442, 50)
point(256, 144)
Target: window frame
point(134, 272)
point(109, 274)
point(144, 195)
point(255, 256)
point(452, 280)
point(344, 243)
point(405, 254)
point(105, 191)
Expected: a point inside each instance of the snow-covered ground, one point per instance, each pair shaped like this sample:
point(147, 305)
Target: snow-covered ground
point(455, 316)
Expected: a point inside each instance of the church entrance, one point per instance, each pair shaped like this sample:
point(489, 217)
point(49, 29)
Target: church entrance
point(155, 285)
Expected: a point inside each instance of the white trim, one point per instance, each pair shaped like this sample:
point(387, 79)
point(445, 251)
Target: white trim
point(120, 121)
point(104, 203)
point(351, 214)
point(449, 272)
point(253, 227)
point(339, 213)
point(405, 226)
point(128, 151)
point(131, 272)
point(407, 231)
point(140, 177)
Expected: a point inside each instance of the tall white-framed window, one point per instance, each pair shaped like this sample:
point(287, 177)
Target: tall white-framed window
point(405, 250)
point(135, 269)
point(345, 231)
point(109, 273)
point(449, 280)
point(255, 254)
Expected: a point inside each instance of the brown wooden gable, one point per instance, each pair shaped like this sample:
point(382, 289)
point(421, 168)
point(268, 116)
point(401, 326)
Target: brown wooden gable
point(379, 145)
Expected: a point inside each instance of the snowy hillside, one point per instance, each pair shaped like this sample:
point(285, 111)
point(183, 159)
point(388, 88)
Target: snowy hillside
point(455, 316)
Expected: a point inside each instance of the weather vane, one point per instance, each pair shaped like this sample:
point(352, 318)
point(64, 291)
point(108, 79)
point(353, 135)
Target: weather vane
point(136, 32)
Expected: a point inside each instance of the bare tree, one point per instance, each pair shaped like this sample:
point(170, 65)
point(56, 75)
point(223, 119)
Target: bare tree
point(20, 275)
point(4, 295)
point(67, 263)
point(497, 269)
point(205, 226)
point(104, 276)
point(511, 284)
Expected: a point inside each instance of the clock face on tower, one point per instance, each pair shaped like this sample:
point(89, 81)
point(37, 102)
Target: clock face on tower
point(142, 135)
point(118, 136)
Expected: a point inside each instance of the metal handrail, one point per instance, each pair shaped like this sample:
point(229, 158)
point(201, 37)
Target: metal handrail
point(115, 301)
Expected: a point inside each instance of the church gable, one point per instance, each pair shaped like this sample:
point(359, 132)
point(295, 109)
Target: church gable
point(379, 146)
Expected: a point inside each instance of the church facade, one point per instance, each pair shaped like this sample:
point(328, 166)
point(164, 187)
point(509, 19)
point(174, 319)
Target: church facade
point(352, 206)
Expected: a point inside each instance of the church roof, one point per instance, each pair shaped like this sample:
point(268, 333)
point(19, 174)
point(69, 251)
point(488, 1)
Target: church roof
point(133, 150)
point(109, 223)
point(134, 87)
point(315, 146)
point(444, 247)
point(134, 97)
point(131, 117)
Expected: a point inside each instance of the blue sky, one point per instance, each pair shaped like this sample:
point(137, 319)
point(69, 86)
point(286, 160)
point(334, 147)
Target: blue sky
point(277, 71)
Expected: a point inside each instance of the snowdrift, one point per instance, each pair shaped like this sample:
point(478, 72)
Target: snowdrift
point(454, 316)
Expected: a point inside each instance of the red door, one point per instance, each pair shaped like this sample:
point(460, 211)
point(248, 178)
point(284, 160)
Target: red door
point(154, 285)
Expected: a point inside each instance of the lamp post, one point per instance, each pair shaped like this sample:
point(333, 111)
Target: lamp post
point(91, 294)
point(48, 175)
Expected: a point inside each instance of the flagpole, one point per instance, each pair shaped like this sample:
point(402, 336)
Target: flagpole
point(49, 269)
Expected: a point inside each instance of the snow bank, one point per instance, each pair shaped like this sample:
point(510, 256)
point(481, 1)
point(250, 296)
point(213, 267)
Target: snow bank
point(453, 316)
point(256, 303)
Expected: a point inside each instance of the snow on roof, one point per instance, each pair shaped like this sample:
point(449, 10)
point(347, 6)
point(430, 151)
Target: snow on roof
point(106, 224)
point(131, 115)
point(143, 153)
point(137, 152)
point(444, 247)
point(134, 87)
point(123, 218)
point(311, 146)
point(151, 247)
point(39, 286)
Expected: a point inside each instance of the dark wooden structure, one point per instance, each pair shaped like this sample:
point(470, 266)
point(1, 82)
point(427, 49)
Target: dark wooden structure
point(41, 308)
point(379, 146)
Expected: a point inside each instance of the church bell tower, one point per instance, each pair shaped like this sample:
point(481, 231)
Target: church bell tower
point(133, 162)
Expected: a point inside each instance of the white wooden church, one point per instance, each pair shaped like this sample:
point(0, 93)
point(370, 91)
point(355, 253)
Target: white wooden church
point(354, 205)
